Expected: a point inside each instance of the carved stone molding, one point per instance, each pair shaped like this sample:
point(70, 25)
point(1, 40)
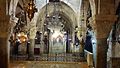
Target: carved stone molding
point(102, 24)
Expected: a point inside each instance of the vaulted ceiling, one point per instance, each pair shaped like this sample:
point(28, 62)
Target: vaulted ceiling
point(74, 4)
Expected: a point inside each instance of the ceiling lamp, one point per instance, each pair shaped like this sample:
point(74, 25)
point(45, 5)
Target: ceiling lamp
point(31, 9)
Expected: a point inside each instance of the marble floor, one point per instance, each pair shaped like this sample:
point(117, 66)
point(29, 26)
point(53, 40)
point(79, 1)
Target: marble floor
point(47, 64)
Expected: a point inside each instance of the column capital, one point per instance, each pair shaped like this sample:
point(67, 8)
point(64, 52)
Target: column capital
point(101, 17)
point(102, 24)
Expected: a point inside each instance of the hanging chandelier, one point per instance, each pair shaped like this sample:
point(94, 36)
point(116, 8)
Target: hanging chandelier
point(31, 9)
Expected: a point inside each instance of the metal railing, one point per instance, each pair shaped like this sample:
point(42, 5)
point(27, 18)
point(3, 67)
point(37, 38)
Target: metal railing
point(64, 57)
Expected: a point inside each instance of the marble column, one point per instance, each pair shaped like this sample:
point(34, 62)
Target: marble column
point(102, 25)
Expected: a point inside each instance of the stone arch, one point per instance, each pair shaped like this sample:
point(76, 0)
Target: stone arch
point(93, 6)
point(69, 23)
point(71, 15)
point(13, 6)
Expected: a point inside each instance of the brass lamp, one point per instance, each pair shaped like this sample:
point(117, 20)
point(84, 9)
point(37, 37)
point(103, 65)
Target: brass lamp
point(31, 9)
point(22, 37)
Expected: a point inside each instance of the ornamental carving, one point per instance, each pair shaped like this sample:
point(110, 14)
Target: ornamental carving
point(102, 24)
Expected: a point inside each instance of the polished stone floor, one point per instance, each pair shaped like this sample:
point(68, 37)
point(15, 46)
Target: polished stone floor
point(43, 64)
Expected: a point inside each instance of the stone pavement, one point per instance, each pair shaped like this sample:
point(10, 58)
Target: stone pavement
point(43, 64)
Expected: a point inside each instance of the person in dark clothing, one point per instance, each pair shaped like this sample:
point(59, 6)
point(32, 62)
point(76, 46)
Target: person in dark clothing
point(88, 43)
point(16, 47)
point(28, 44)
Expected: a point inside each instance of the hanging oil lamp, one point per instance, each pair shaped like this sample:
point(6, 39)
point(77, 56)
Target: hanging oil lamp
point(31, 9)
point(22, 37)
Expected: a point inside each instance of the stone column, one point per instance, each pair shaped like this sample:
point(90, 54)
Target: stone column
point(102, 25)
point(101, 57)
point(31, 49)
point(4, 28)
point(4, 59)
point(4, 35)
point(32, 39)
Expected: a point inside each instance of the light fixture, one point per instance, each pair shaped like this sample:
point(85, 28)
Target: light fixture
point(22, 37)
point(31, 9)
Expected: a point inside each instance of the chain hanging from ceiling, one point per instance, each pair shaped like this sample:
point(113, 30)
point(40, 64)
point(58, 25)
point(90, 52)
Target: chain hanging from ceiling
point(55, 17)
point(56, 14)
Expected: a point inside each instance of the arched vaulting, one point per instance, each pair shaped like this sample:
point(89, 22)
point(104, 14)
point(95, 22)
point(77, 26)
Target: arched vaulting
point(63, 9)
point(74, 15)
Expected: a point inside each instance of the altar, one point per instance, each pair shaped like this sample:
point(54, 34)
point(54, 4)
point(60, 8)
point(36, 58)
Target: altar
point(57, 44)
